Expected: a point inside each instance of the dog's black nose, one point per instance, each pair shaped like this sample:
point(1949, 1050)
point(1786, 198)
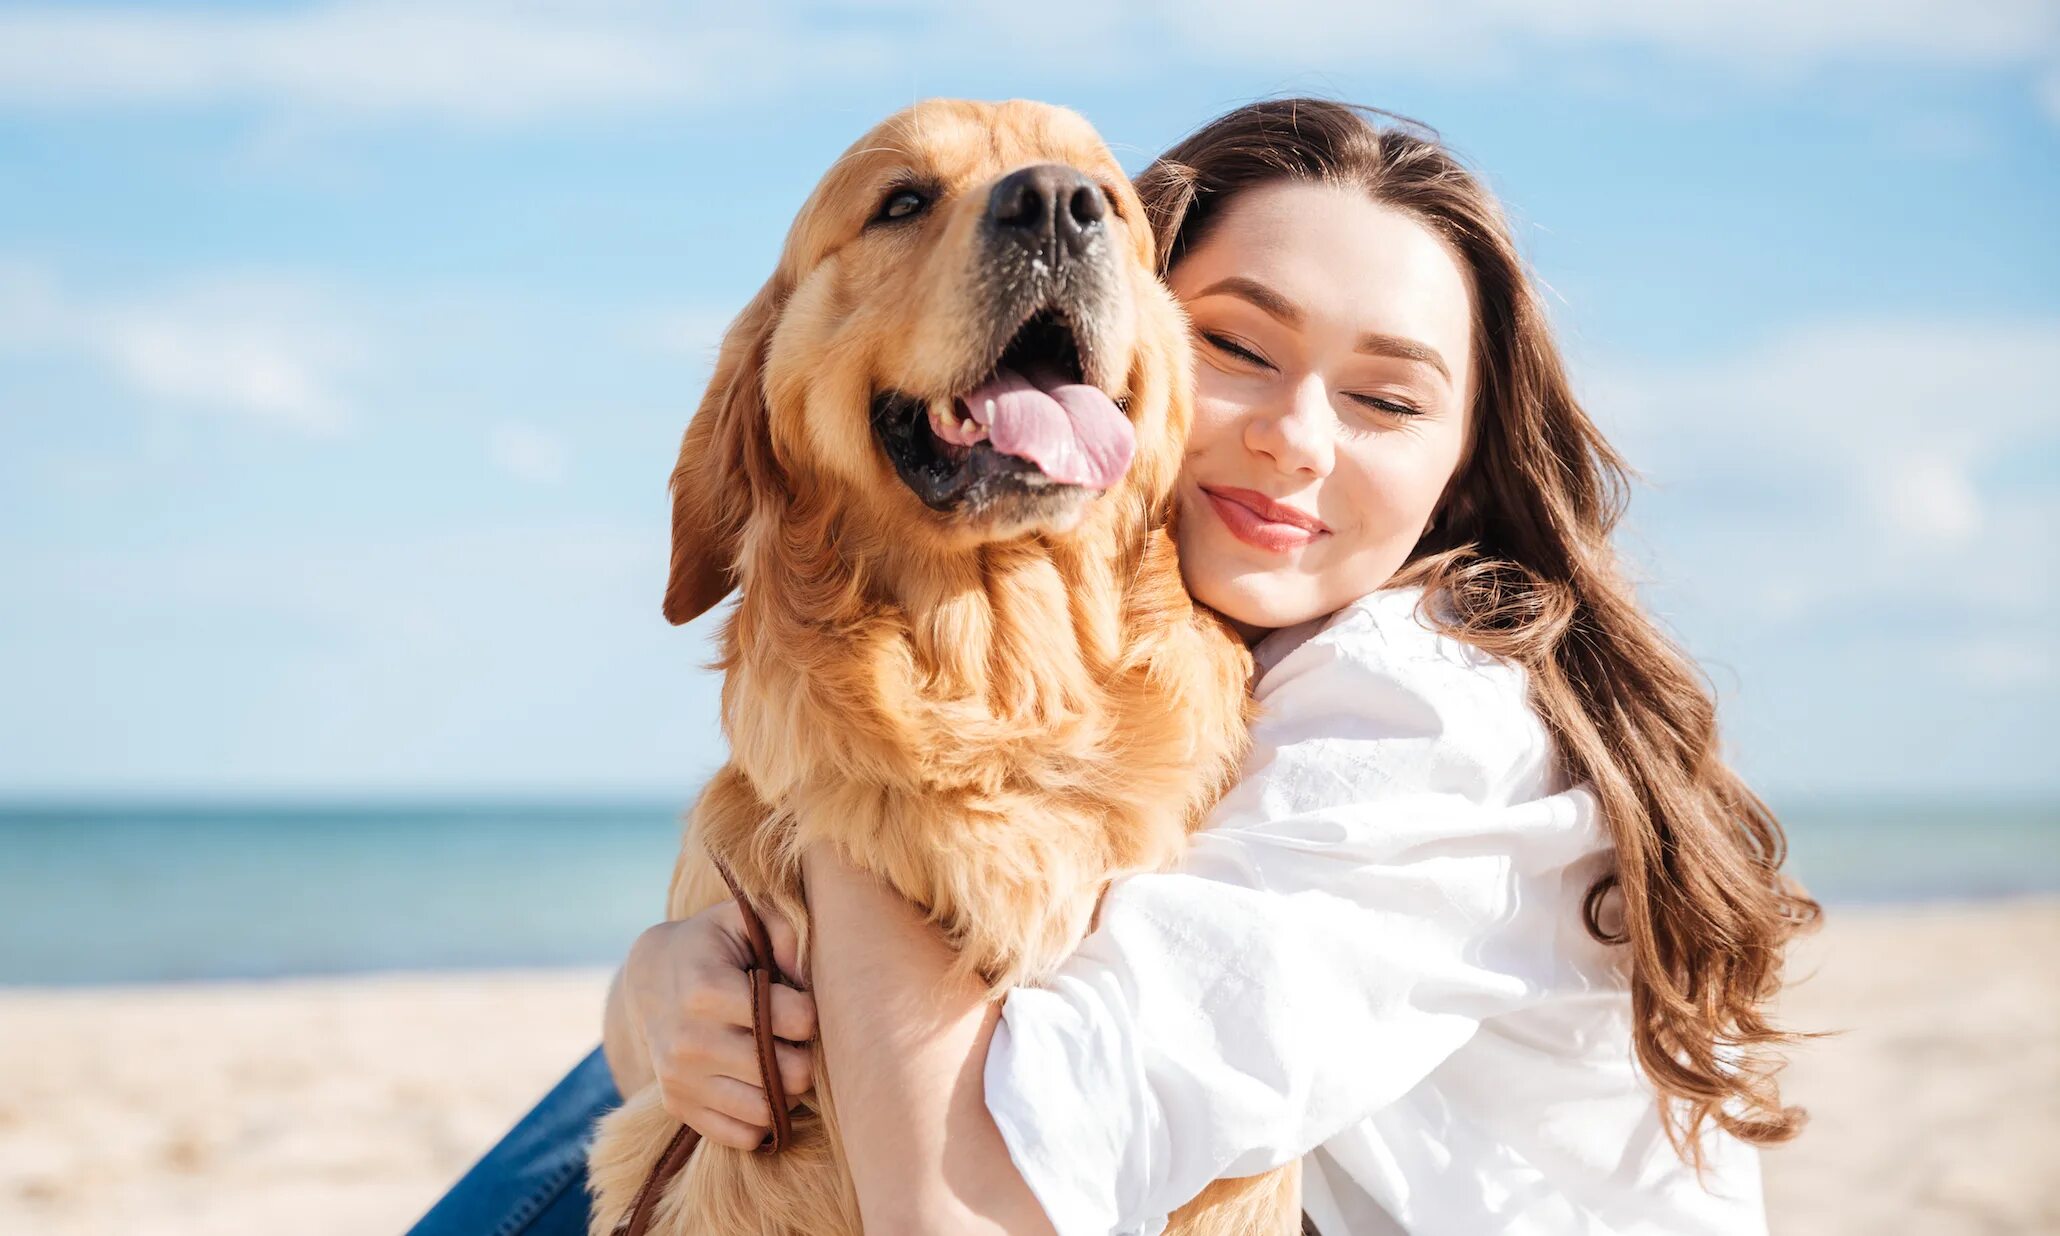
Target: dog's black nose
point(1049, 208)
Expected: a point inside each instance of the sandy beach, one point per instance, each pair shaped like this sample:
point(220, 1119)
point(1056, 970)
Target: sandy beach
point(347, 1105)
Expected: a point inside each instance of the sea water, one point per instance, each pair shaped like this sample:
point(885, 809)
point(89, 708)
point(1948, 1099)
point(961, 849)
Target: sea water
point(157, 892)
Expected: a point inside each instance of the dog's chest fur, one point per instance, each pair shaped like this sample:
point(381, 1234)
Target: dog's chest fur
point(995, 744)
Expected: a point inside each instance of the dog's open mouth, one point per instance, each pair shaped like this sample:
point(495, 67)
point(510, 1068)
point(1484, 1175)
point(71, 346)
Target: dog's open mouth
point(1032, 422)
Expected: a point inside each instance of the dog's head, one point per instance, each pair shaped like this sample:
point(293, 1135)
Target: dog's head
point(964, 342)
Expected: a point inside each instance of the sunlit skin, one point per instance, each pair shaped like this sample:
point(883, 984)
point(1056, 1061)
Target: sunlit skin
point(1333, 346)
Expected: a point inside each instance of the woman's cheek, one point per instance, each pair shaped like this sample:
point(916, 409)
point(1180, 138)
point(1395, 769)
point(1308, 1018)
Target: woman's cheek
point(1375, 489)
point(1388, 496)
point(1215, 417)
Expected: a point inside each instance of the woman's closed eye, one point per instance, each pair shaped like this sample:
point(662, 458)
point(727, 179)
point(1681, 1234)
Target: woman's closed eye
point(1383, 403)
point(1224, 343)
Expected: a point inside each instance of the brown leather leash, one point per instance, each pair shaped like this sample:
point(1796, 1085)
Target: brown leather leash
point(762, 972)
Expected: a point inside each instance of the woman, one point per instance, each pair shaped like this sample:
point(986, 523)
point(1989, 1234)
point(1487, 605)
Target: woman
point(1484, 856)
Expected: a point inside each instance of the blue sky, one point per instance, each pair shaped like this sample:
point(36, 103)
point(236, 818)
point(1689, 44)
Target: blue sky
point(344, 350)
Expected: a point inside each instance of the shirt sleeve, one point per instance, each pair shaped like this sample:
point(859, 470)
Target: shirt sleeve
point(1387, 873)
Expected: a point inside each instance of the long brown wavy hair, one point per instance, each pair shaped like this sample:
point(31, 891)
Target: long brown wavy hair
point(1521, 550)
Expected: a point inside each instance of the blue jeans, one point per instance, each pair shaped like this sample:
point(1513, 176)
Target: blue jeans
point(534, 1181)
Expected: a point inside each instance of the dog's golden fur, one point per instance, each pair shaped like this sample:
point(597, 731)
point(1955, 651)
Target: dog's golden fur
point(995, 710)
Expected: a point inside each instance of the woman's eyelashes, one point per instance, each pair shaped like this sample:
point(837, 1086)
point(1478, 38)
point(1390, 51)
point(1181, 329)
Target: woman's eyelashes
point(1383, 403)
point(1224, 343)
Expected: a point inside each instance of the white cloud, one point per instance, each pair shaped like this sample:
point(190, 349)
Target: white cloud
point(459, 59)
point(261, 349)
point(1755, 36)
point(1926, 497)
point(1853, 464)
point(1788, 31)
point(244, 365)
point(471, 61)
point(527, 453)
point(1850, 389)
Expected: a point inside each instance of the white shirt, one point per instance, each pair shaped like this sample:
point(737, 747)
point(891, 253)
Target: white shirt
point(1373, 958)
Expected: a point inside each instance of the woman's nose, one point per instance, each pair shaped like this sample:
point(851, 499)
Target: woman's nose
point(1295, 434)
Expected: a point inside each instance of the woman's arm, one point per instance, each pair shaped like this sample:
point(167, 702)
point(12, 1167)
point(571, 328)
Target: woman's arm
point(907, 1044)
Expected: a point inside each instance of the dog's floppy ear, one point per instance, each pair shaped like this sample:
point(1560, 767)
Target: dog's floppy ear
point(726, 464)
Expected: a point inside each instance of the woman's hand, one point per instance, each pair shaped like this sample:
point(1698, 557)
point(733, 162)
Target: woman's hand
point(687, 1000)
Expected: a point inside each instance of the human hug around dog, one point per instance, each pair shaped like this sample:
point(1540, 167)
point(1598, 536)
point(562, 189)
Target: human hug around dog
point(1196, 750)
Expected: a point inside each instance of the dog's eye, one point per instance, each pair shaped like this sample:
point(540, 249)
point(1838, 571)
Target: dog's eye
point(901, 204)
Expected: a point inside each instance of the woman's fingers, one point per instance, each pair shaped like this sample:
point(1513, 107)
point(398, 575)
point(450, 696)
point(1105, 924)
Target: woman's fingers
point(737, 1059)
point(793, 1014)
point(725, 1110)
point(740, 1101)
point(725, 1131)
point(728, 917)
point(786, 947)
point(718, 1126)
point(731, 1051)
point(716, 991)
point(797, 1069)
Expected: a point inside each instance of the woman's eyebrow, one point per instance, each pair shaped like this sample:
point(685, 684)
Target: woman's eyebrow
point(1245, 289)
point(1377, 344)
point(1289, 313)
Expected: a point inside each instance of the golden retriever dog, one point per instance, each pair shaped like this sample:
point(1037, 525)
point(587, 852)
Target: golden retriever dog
point(936, 460)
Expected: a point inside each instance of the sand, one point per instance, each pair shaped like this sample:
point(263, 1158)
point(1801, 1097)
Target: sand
point(308, 1107)
point(347, 1105)
point(1938, 1109)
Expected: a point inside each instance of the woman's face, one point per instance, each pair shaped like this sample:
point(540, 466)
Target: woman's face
point(1333, 340)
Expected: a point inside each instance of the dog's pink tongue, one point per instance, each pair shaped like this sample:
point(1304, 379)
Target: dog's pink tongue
point(1072, 432)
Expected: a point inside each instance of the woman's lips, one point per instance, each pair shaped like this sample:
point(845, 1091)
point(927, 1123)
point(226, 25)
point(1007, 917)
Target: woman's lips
point(1261, 522)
